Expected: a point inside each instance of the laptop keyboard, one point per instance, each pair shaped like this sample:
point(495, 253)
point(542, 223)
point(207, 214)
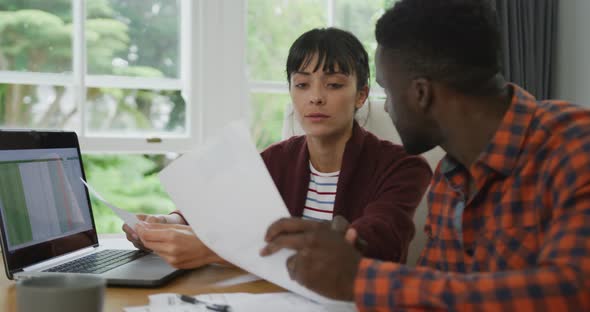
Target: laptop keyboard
point(99, 262)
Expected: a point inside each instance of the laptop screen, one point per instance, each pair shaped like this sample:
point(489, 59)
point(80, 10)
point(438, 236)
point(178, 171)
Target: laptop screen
point(41, 196)
point(44, 207)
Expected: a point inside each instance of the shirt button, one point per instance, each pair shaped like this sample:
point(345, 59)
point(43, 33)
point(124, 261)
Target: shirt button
point(469, 251)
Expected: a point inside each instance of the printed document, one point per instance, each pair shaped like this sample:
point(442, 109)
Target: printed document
point(228, 197)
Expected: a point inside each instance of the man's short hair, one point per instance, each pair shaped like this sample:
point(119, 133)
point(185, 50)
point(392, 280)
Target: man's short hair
point(456, 42)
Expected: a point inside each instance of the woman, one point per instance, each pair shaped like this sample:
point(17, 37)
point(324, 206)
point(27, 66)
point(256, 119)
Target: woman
point(336, 168)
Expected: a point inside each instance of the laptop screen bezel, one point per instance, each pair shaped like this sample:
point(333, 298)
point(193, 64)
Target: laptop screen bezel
point(16, 260)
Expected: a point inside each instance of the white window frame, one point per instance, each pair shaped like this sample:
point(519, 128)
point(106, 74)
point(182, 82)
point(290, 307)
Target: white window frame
point(275, 87)
point(191, 32)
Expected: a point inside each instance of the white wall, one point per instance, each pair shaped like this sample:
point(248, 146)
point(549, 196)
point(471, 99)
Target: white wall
point(572, 81)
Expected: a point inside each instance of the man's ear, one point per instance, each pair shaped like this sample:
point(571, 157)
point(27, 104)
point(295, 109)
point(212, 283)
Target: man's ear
point(361, 97)
point(423, 93)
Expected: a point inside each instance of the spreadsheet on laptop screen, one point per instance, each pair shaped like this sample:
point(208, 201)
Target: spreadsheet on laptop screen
point(41, 196)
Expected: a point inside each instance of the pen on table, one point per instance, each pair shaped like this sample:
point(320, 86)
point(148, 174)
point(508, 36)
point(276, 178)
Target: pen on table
point(209, 306)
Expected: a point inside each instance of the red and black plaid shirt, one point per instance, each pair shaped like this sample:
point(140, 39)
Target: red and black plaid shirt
point(521, 242)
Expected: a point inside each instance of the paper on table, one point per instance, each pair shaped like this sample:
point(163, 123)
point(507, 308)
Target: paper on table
point(272, 302)
point(228, 197)
point(242, 302)
point(127, 217)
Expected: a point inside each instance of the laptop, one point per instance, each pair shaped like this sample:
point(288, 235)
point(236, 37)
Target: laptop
point(46, 222)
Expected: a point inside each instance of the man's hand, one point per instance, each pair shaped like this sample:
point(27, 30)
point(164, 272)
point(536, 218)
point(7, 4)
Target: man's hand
point(324, 261)
point(177, 244)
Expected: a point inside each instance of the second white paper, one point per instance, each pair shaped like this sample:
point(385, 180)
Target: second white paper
point(228, 197)
point(127, 217)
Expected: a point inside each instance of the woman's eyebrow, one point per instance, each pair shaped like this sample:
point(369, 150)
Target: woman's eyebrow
point(301, 73)
point(335, 73)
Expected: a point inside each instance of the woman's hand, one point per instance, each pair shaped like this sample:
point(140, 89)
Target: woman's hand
point(163, 219)
point(177, 244)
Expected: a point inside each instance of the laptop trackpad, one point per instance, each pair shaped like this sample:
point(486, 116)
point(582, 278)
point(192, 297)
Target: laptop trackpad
point(149, 270)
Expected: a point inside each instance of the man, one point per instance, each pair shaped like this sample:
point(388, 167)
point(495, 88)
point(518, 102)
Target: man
point(509, 206)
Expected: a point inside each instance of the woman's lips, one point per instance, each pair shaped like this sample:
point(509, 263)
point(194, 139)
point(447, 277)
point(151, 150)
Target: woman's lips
point(316, 117)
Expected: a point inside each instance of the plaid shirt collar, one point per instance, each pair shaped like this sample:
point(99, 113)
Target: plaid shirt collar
point(502, 153)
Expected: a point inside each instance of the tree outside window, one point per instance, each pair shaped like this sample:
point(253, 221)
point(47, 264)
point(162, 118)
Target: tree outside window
point(123, 38)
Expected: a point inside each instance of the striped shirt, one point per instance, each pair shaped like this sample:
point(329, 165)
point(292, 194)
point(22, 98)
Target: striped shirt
point(321, 193)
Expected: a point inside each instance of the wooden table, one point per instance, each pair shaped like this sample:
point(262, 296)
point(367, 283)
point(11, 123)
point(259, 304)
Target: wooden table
point(199, 281)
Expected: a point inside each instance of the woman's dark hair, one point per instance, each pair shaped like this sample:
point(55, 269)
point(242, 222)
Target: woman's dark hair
point(334, 47)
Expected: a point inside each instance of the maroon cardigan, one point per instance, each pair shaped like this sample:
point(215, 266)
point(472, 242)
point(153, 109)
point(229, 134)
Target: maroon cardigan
point(379, 188)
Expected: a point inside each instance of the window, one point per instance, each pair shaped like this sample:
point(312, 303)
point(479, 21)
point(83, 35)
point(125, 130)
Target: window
point(273, 26)
point(115, 71)
point(111, 70)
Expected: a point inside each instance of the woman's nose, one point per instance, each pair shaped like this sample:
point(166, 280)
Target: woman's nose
point(317, 96)
point(316, 99)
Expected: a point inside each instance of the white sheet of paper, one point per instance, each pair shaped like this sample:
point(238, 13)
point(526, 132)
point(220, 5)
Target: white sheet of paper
point(127, 217)
point(272, 302)
point(244, 302)
point(228, 197)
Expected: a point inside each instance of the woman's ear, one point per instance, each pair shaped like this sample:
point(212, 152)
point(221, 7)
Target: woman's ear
point(361, 97)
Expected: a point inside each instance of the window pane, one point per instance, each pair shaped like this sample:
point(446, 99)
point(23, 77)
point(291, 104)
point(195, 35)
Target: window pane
point(133, 38)
point(132, 111)
point(360, 17)
point(272, 27)
point(267, 122)
point(30, 106)
point(129, 182)
point(36, 35)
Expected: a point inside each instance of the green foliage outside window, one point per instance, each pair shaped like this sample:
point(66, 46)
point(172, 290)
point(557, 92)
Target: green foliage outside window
point(129, 182)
